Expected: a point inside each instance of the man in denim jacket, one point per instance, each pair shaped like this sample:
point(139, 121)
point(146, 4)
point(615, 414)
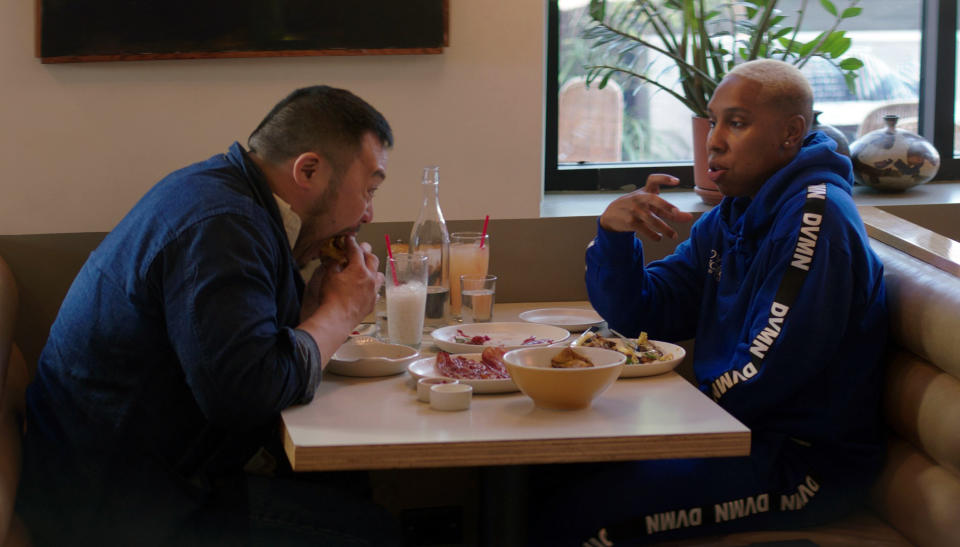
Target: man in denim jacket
point(188, 331)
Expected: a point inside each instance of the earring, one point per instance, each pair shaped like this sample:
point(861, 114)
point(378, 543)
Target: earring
point(786, 143)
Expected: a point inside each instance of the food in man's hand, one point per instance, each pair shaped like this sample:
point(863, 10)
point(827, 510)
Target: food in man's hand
point(569, 358)
point(334, 250)
point(489, 367)
point(646, 352)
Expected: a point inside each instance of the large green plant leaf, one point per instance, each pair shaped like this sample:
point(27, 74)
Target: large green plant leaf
point(828, 5)
point(598, 9)
point(704, 39)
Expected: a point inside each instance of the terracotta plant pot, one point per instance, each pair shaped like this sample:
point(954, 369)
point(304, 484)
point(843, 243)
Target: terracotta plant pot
point(702, 185)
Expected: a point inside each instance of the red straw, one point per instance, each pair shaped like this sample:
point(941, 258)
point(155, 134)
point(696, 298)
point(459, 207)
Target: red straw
point(393, 269)
point(483, 236)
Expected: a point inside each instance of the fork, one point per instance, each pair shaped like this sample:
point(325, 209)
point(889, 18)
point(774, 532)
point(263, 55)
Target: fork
point(632, 343)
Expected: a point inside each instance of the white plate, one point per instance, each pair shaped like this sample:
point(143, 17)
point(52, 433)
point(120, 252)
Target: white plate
point(364, 329)
point(508, 335)
point(426, 367)
point(366, 357)
point(572, 319)
point(656, 367)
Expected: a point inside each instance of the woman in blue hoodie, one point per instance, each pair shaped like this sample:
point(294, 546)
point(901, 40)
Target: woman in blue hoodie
point(785, 298)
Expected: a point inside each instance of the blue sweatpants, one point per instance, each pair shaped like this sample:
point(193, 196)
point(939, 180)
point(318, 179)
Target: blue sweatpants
point(629, 503)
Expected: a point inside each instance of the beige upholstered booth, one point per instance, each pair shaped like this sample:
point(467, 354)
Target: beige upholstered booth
point(919, 491)
point(14, 369)
point(916, 501)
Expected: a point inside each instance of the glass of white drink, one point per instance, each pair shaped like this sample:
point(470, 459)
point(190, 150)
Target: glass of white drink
point(406, 298)
point(469, 255)
point(478, 293)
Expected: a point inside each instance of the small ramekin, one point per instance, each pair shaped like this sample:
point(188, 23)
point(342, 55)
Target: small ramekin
point(450, 396)
point(424, 384)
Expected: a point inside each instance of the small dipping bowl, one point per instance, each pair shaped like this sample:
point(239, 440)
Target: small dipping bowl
point(424, 385)
point(450, 396)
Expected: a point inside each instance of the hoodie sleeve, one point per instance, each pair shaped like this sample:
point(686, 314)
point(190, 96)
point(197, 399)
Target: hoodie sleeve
point(661, 298)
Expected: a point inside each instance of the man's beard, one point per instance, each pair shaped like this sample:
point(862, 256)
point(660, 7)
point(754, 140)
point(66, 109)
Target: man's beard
point(308, 243)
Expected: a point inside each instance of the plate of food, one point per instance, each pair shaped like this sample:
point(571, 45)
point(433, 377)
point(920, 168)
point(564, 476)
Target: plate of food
point(644, 357)
point(485, 371)
point(572, 319)
point(471, 337)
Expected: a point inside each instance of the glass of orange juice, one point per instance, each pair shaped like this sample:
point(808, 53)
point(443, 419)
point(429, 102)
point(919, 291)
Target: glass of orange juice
point(469, 255)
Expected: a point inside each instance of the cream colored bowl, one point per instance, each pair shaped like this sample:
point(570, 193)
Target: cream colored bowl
point(366, 357)
point(563, 388)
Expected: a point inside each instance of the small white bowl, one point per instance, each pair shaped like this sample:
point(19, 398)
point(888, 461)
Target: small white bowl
point(450, 396)
point(424, 385)
point(368, 357)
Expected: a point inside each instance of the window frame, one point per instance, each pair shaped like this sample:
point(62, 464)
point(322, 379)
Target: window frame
point(937, 93)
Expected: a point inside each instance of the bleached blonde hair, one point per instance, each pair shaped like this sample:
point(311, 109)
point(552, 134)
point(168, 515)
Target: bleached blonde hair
point(783, 86)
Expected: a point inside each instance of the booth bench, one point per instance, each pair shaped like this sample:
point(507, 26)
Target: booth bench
point(916, 500)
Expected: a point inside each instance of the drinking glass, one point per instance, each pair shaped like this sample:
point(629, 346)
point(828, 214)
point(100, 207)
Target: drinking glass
point(397, 246)
point(406, 281)
point(477, 292)
point(467, 257)
point(380, 309)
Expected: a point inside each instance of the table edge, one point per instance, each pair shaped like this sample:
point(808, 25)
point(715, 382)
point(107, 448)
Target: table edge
point(515, 452)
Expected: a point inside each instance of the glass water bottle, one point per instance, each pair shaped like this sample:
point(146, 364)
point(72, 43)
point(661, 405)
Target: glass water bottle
point(430, 237)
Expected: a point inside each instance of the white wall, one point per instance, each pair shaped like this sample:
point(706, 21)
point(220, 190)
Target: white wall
point(80, 143)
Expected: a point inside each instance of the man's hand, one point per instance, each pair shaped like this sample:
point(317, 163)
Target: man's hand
point(353, 287)
point(644, 212)
point(337, 298)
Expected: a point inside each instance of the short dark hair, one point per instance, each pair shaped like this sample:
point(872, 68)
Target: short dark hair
point(322, 119)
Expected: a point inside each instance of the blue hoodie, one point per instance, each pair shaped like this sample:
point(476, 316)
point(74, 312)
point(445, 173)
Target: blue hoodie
point(803, 366)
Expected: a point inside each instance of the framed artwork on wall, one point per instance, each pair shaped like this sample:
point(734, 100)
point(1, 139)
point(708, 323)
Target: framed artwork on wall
point(128, 30)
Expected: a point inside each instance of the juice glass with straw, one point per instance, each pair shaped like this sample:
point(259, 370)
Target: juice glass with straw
point(470, 255)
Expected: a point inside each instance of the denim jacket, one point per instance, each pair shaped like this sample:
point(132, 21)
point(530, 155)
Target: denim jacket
point(176, 346)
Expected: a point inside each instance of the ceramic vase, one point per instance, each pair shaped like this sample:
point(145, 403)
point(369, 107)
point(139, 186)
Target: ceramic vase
point(702, 185)
point(892, 159)
point(843, 146)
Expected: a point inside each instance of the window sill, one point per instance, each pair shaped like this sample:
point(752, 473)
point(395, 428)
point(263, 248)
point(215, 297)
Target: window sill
point(579, 204)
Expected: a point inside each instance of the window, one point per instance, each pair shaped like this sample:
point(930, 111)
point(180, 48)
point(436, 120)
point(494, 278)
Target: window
point(612, 139)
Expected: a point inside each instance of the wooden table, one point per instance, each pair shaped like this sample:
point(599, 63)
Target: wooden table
point(377, 423)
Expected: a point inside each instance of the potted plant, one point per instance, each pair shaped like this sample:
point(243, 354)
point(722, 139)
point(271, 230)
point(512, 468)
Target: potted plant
point(704, 39)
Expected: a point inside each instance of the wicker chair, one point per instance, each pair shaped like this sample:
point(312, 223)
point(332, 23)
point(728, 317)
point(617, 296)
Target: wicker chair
point(589, 122)
point(909, 120)
point(874, 119)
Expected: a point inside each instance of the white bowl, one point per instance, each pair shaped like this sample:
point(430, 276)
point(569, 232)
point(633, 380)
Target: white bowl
point(563, 388)
point(450, 396)
point(368, 357)
point(424, 385)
